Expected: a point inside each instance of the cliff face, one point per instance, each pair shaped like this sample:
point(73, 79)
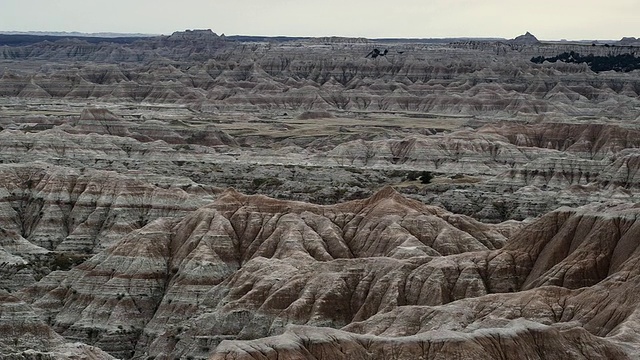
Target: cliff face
point(210, 73)
point(582, 250)
point(24, 335)
point(161, 277)
point(118, 240)
point(62, 209)
point(52, 218)
point(385, 270)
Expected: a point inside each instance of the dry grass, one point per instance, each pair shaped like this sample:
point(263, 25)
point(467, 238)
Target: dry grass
point(277, 128)
point(268, 125)
point(464, 179)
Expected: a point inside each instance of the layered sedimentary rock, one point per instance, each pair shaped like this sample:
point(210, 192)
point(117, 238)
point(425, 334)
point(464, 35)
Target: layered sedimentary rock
point(179, 45)
point(205, 71)
point(593, 254)
point(63, 209)
point(53, 218)
point(521, 166)
point(386, 270)
point(522, 339)
point(592, 140)
point(104, 122)
point(168, 272)
point(24, 335)
point(115, 235)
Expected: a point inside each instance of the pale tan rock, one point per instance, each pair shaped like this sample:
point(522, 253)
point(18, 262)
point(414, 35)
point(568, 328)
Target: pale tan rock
point(23, 335)
point(170, 270)
point(463, 78)
point(522, 339)
point(254, 277)
point(63, 209)
point(245, 267)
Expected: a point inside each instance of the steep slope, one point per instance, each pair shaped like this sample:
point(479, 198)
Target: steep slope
point(138, 293)
point(589, 250)
point(391, 269)
point(64, 209)
point(53, 217)
point(114, 233)
point(23, 335)
point(521, 340)
point(209, 73)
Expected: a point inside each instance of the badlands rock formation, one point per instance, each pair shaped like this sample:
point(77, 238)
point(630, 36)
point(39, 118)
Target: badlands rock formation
point(209, 73)
point(552, 306)
point(25, 336)
point(56, 217)
point(246, 261)
point(203, 197)
point(401, 275)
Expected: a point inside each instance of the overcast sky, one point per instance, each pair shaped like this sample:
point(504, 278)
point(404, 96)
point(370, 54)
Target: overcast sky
point(547, 19)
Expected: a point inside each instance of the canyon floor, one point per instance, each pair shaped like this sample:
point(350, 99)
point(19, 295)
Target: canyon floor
point(197, 196)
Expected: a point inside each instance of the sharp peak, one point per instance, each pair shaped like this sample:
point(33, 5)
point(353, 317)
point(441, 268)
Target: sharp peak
point(261, 200)
point(387, 192)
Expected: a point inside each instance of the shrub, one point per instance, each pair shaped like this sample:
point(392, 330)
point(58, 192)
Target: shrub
point(412, 175)
point(65, 261)
point(266, 182)
point(426, 177)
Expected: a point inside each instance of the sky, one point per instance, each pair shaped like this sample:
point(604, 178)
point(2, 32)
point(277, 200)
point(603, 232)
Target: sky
point(546, 19)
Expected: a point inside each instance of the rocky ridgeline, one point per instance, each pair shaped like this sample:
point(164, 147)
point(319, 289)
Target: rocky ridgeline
point(194, 44)
point(595, 139)
point(53, 218)
point(262, 76)
point(386, 269)
point(116, 239)
point(55, 207)
point(588, 154)
point(529, 45)
point(157, 278)
point(25, 336)
point(104, 122)
point(511, 170)
point(541, 320)
point(99, 136)
point(301, 342)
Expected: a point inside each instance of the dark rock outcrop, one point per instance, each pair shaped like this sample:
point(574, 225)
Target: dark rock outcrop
point(526, 39)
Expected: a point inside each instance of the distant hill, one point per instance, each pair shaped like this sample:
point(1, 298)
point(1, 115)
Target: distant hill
point(77, 34)
point(18, 38)
point(23, 39)
point(26, 39)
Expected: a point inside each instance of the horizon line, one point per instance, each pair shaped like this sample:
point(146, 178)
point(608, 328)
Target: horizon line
point(142, 34)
